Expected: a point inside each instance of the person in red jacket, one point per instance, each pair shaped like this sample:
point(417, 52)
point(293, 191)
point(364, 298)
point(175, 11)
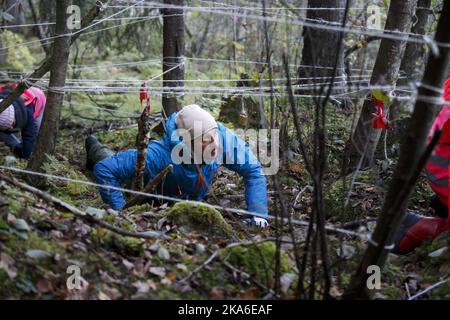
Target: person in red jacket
point(415, 228)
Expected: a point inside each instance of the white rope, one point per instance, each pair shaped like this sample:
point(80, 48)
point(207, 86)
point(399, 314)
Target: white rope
point(71, 33)
point(54, 23)
point(388, 247)
point(168, 70)
point(429, 87)
point(225, 61)
point(134, 81)
point(167, 198)
point(367, 77)
point(27, 25)
point(36, 43)
point(256, 10)
point(233, 7)
point(428, 289)
point(112, 65)
point(200, 93)
point(113, 111)
point(388, 34)
point(308, 87)
point(262, 63)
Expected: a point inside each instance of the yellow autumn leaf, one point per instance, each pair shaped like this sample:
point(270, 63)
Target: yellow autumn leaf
point(380, 95)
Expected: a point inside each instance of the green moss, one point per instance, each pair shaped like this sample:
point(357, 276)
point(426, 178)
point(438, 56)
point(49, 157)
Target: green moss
point(200, 217)
point(217, 276)
point(18, 57)
point(34, 241)
point(94, 262)
point(124, 245)
point(258, 260)
point(119, 139)
point(16, 200)
point(421, 195)
point(110, 218)
point(74, 192)
point(140, 208)
point(366, 197)
point(441, 292)
point(393, 293)
point(430, 269)
point(173, 293)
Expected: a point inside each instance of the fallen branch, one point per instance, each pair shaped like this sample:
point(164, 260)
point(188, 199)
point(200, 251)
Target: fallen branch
point(39, 29)
point(359, 45)
point(46, 64)
point(150, 185)
point(356, 223)
point(246, 276)
point(81, 214)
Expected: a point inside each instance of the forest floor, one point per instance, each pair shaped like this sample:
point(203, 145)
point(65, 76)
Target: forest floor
point(218, 258)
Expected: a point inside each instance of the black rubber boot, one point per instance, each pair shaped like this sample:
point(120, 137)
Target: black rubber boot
point(95, 152)
point(440, 209)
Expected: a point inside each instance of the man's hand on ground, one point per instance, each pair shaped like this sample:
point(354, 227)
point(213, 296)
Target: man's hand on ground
point(257, 222)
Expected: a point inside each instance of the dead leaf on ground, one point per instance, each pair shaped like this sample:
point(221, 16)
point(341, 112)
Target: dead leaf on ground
point(158, 271)
point(8, 265)
point(217, 294)
point(44, 286)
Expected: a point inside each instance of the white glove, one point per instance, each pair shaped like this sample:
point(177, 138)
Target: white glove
point(259, 222)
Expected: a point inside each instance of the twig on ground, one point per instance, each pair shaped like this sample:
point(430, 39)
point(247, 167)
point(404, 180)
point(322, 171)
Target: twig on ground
point(80, 214)
point(246, 276)
point(216, 253)
point(428, 289)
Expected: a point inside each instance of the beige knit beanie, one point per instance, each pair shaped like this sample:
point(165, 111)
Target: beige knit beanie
point(193, 118)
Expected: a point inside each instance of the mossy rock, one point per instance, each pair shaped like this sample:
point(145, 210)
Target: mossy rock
point(139, 208)
point(125, 245)
point(199, 217)
point(258, 260)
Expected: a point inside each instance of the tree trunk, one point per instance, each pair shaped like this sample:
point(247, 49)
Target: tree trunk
point(47, 62)
point(173, 54)
point(12, 10)
point(320, 46)
point(412, 65)
point(16, 10)
point(46, 141)
point(385, 72)
point(47, 14)
point(410, 162)
point(201, 45)
point(39, 29)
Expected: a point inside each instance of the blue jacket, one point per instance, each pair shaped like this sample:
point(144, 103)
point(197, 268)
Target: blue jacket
point(183, 181)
